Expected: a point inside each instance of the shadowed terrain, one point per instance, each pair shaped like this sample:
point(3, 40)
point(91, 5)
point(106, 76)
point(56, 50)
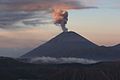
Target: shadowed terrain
point(11, 69)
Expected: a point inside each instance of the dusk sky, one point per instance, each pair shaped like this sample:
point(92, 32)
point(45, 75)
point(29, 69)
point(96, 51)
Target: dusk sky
point(24, 27)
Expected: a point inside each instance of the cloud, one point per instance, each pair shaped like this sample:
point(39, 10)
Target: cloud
point(53, 60)
point(9, 17)
point(31, 5)
point(32, 12)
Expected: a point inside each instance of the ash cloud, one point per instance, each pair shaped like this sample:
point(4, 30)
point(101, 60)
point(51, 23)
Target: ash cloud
point(31, 12)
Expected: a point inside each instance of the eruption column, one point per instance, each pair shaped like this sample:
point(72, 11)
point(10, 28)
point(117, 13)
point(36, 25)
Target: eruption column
point(60, 18)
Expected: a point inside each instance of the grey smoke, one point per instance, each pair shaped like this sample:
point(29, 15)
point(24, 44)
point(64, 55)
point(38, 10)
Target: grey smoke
point(61, 60)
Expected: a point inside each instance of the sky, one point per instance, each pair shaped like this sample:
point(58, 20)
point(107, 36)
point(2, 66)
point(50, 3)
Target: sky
point(27, 25)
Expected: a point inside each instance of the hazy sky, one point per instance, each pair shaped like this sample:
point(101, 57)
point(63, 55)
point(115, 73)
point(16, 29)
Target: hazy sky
point(21, 31)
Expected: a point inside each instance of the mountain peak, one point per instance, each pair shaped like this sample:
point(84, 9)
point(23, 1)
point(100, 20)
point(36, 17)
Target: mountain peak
point(70, 33)
point(72, 38)
point(67, 36)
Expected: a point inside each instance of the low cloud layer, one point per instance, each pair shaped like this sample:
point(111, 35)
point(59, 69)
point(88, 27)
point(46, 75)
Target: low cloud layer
point(61, 60)
point(15, 13)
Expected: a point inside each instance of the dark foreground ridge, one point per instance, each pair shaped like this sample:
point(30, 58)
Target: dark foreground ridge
point(11, 69)
point(71, 44)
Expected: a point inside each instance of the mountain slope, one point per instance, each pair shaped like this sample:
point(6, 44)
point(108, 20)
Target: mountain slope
point(116, 47)
point(71, 44)
point(66, 44)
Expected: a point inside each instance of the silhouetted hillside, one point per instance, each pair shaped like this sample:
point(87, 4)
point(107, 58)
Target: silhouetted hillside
point(74, 71)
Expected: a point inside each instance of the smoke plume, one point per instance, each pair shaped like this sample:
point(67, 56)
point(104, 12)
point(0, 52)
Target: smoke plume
point(60, 17)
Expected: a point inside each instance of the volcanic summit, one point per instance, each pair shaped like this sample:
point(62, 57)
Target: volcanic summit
point(66, 44)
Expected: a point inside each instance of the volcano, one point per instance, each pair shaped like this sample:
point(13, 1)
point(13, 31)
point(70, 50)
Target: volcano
point(66, 44)
point(71, 44)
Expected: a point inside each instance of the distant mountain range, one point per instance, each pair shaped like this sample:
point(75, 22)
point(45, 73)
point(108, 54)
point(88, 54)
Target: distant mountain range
point(71, 44)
